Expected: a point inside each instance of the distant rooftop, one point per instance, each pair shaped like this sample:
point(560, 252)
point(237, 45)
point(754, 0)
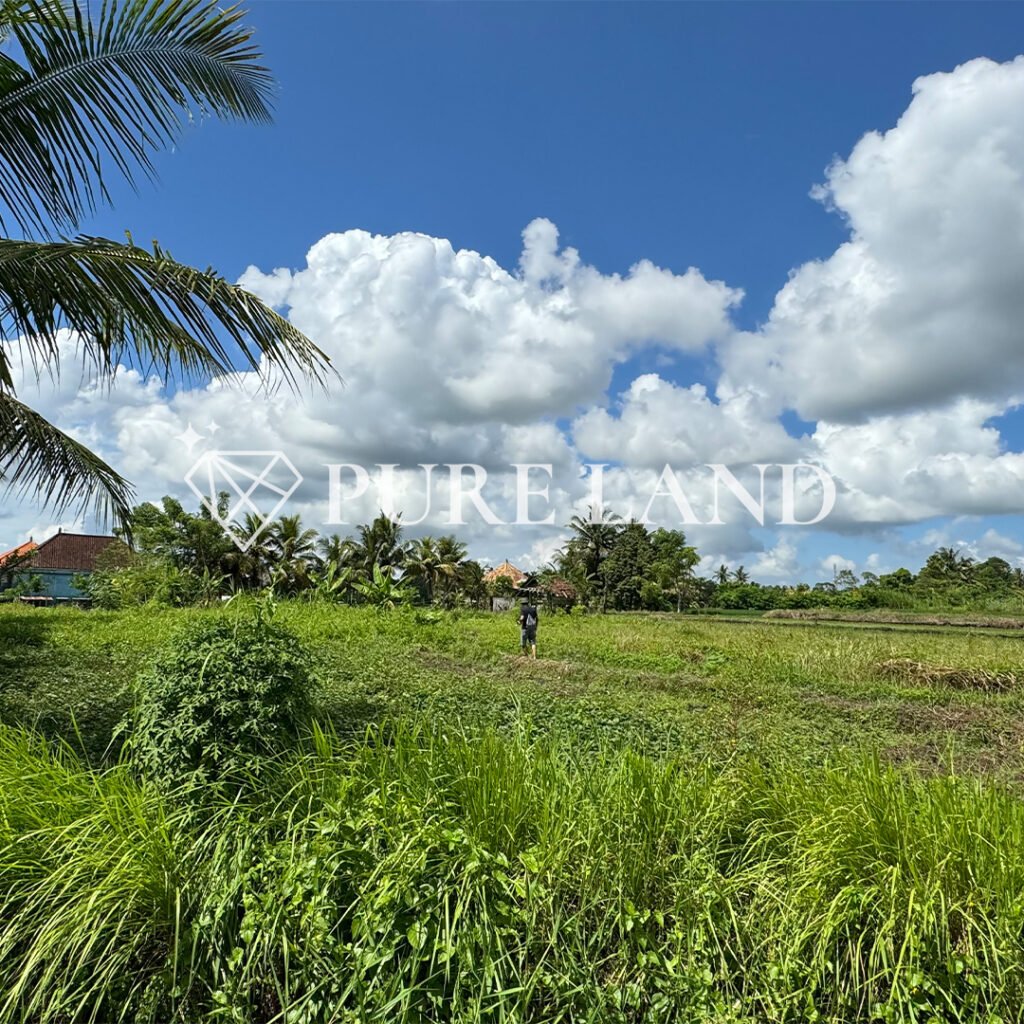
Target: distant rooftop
point(74, 551)
point(18, 552)
point(515, 574)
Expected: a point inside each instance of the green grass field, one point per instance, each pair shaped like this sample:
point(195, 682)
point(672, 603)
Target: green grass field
point(679, 684)
point(661, 819)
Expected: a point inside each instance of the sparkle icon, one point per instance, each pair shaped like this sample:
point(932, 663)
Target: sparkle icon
point(257, 483)
point(189, 437)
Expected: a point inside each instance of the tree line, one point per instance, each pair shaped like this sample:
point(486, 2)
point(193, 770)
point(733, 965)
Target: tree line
point(178, 557)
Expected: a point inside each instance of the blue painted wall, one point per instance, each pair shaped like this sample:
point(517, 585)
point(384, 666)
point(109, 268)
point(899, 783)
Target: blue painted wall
point(57, 584)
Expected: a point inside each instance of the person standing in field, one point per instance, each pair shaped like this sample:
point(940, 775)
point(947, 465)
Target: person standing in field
point(528, 625)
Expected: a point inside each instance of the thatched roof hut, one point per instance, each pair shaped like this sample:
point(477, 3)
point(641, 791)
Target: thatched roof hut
point(508, 570)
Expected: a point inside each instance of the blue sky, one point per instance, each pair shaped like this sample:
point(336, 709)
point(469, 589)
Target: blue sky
point(683, 134)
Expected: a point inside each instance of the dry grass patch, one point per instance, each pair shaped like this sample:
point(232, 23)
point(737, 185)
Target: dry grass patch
point(920, 673)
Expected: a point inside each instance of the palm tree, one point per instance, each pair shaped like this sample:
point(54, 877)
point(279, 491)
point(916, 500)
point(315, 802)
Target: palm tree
point(293, 551)
point(741, 575)
point(423, 563)
point(83, 99)
point(596, 535)
point(452, 556)
point(380, 543)
point(251, 560)
point(722, 574)
point(335, 549)
point(946, 566)
point(471, 582)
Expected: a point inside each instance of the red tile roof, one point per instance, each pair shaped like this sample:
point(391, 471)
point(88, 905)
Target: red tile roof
point(75, 551)
point(19, 551)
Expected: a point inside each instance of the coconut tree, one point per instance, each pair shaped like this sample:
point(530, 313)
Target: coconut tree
point(335, 549)
point(251, 561)
point(471, 582)
point(741, 575)
point(380, 544)
point(293, 551)
point(423, 565)
point(89, 92)
point(452, 555)
point(597, 533)
point(595, 537)
point(722, 574)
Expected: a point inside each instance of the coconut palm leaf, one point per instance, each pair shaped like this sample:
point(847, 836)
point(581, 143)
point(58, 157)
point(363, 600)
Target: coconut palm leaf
point(85, 90)
point(139, 307)
point(90, 94)
point(60, 469)
point(19, 12)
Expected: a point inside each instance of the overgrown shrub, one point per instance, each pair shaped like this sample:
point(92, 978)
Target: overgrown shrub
point(223, 696)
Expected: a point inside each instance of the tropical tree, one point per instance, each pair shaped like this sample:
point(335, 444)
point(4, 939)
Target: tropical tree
point(336, 549)
point(471, 582)
point(594, 539)
point(382, 590)
point(89, 92)
point(380, 543)
point(423, 565)
point(741, 575)
point(293, 553)
point(722, 574)
point(331, 582)
point(628, 567)
point(250, 562)
point(674, 561)
point(192, 542)
point(947, 567)
point(452, 555)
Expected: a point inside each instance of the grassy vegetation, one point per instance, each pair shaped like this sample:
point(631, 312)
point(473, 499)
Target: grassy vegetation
point(661, 819)
point(685, 685)
point(920, 617)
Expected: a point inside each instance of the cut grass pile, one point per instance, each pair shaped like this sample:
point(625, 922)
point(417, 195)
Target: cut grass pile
point(421, 875)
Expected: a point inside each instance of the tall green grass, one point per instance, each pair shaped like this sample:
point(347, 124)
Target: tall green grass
point(422, 875)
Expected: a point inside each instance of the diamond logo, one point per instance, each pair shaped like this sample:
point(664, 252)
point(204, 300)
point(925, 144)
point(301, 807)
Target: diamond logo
point(257, 483)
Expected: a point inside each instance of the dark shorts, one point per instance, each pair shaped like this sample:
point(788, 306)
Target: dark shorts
point(529, 636)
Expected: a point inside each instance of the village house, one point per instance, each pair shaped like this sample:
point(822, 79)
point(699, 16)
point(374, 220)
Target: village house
point(55, 563)
point(510, 584)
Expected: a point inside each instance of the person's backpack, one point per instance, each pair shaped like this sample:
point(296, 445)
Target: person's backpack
point(531, 619)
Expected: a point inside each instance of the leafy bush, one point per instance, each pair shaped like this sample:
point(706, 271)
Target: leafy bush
point(223, 696)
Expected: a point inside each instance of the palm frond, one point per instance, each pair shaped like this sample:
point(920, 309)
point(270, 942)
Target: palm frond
point(108, 92)
point(140, 308)
point(39, 460)
point(21, 12)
